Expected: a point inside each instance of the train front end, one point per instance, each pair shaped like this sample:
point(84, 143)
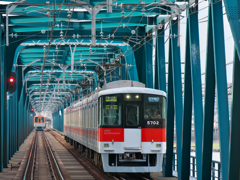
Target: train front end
point(39, 122)
point(132, 130)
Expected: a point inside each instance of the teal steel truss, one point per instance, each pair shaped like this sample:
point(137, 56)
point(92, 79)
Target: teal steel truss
point(61, 52)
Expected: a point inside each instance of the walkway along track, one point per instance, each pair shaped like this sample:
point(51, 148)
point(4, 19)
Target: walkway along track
point(36, 167)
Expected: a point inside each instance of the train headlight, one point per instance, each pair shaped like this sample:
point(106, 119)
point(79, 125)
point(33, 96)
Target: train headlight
point(128, 96)
point(158, 145)
point(106, 145)
point(137, 96)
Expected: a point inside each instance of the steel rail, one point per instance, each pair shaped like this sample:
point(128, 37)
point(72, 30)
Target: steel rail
point(34, 157)
point(92, 169)
point(27, 174)
point(56, 170)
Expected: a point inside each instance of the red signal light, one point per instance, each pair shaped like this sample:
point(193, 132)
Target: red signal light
point(12, 86)
point(32, 109)
point(11, 80)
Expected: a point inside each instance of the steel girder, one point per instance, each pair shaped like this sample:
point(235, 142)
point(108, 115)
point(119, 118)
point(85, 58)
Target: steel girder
point(232, 10)
point(193, 95)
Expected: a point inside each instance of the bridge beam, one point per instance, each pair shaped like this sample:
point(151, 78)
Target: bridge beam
point(160, 72)
point(175, 90)
point(209, 104)
point(187, 112)
point(234, 158)
point(221, 83)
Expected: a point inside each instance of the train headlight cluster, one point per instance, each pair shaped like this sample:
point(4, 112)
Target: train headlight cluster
point(133, 97)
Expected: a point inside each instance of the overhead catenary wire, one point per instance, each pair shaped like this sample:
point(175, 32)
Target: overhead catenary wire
point(125, 52)
point(50, 40)
point(150, 35)
point(135, 49)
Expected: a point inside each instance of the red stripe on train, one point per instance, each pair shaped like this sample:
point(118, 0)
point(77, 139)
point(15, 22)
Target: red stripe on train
point(109, 134)
point(117, 134)
point(155, 134)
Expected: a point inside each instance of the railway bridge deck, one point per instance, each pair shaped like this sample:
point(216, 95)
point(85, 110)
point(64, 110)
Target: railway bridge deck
point(70, 166)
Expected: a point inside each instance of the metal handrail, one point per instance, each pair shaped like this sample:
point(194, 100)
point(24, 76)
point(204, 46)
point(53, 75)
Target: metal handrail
point(214, 170)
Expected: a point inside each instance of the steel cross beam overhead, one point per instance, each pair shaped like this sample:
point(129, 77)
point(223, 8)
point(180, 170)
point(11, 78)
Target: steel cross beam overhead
point(93, 10)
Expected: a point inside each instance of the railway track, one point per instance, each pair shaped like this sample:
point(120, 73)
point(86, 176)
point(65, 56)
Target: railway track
point(40, 153)
point(92, 168)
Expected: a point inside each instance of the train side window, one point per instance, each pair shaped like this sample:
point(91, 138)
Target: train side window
point(85, 118)
point(92, 119)
point(94, 116)
point(81, 117)
point(97, 115)
point(90, 115)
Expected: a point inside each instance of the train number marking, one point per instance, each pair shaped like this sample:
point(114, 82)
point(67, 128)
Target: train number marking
point(152, 122)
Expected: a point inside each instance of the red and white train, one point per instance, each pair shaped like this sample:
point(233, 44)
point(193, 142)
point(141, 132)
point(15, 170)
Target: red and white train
point(121, 127)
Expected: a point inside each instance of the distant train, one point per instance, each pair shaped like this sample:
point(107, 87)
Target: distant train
point(121, 127)
point(39, 122)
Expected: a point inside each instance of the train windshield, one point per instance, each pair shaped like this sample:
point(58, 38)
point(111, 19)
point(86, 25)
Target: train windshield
point(42, 118)
point(132, 109)
point(110, 110)
point(36, 119)
point(154, 111)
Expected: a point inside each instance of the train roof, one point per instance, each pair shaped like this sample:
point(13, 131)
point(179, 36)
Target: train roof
point(124, 90)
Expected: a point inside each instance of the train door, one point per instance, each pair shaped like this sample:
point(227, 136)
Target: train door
point(132, 125)
point(70, 120)
point(96, 125)
point(90, 125)
point(88, 114)
point(81, 124)
point(85, 125)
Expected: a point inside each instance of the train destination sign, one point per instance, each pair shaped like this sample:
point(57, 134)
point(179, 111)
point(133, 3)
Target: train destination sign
point(153, 99)
point(111, 98)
